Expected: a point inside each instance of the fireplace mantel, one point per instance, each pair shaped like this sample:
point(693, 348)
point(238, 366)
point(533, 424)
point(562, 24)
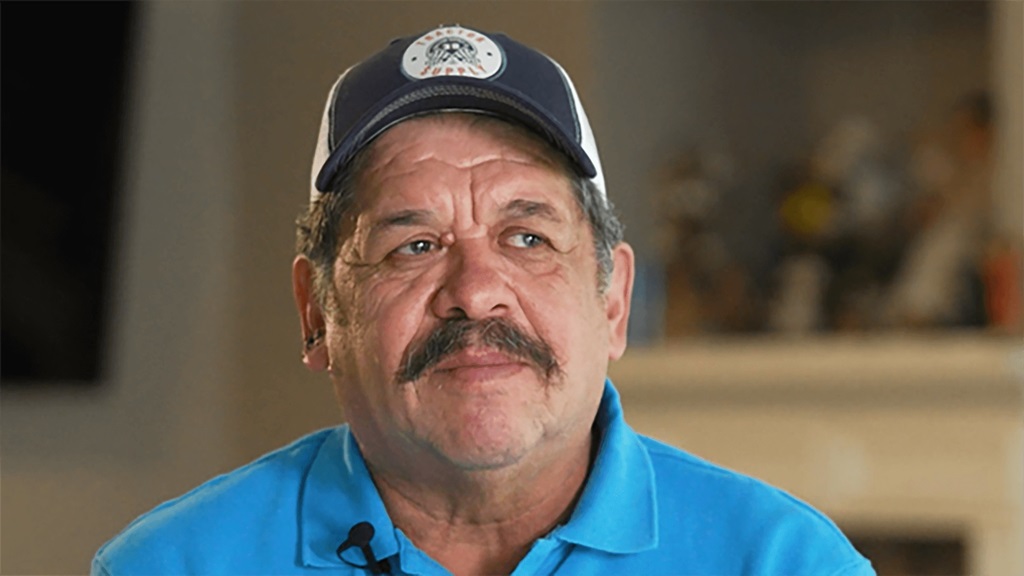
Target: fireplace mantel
point(930, 370)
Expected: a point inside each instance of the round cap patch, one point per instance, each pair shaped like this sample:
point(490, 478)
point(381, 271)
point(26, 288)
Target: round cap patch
point(452, 51)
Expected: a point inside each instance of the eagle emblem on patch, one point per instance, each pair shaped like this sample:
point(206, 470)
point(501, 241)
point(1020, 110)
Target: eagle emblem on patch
point(452, 51)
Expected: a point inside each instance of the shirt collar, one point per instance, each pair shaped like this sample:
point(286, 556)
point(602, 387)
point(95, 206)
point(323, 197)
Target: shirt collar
point(616, 512)
point(338, 493)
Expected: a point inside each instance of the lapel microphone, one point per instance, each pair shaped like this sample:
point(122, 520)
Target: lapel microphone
point(360, 536)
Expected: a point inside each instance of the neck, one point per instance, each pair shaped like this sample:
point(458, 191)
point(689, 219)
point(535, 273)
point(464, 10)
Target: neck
point(485, 521)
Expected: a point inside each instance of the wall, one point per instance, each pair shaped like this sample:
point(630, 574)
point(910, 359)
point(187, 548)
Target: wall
point(675, 75)
point(765, 81)
point(1008, 85)
point(77, 465)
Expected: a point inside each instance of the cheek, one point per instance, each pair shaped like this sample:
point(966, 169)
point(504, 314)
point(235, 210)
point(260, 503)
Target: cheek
point(564, 306)
point(388, 314)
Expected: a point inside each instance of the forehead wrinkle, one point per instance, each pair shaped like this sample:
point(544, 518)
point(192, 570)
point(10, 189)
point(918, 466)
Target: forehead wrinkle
point(395, 159)
point(516, 145)
point(392, 189)
point(386, 171)
point(535, 191)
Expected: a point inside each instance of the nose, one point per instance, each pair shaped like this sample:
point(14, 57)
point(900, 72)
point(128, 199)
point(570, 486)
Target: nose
point(473, 286)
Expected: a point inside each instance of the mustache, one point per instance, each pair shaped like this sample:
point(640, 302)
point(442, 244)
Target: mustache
point(457, 334)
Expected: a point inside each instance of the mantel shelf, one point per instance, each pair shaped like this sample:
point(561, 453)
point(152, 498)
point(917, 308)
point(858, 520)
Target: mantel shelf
point(893, 369)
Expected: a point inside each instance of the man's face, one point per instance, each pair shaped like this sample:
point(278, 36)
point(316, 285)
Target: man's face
point(468, 328)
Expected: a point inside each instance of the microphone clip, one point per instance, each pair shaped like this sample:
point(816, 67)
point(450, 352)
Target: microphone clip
point(359, 536)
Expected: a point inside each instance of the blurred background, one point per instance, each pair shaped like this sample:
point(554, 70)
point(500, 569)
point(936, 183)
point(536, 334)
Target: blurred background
point(826, 199)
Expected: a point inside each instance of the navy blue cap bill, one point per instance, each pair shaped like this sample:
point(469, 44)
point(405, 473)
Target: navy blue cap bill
point(452, 68)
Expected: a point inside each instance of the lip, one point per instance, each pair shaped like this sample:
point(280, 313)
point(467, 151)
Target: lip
point(475, 360)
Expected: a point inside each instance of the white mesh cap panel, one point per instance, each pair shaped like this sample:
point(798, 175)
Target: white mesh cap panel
point(587, 140)
point(323, 149)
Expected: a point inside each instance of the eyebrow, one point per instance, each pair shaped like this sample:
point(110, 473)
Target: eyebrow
point(526, 208)
point(515, 209)
point(399, 219)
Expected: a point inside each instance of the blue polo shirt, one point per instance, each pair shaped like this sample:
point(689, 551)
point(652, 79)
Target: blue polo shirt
point(647, 508)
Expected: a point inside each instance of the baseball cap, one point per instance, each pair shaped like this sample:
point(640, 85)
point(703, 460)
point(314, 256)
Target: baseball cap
point(457, 69)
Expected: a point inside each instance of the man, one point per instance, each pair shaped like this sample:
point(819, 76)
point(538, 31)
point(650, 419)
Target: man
point(462, 280)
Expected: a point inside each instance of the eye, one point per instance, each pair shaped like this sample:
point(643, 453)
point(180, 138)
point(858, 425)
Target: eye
point(526, 240)
point(416, 248)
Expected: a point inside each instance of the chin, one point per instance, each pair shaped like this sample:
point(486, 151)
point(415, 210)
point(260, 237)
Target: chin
point(486, 447)
point(479, 462)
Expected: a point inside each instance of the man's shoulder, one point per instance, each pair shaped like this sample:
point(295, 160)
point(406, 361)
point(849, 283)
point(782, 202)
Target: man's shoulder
point(702, 501)
point(692, 477)
point(216, 514)
point(679, 469)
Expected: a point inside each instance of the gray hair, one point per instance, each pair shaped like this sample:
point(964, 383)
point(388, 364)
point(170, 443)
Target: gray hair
point(320, 228)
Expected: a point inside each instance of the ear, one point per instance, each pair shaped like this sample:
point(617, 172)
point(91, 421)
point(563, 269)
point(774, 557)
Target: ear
point(618, 298)
point(311, 318)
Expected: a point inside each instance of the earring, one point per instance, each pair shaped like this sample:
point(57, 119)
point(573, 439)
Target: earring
point(314, 340)
point(315, 355)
